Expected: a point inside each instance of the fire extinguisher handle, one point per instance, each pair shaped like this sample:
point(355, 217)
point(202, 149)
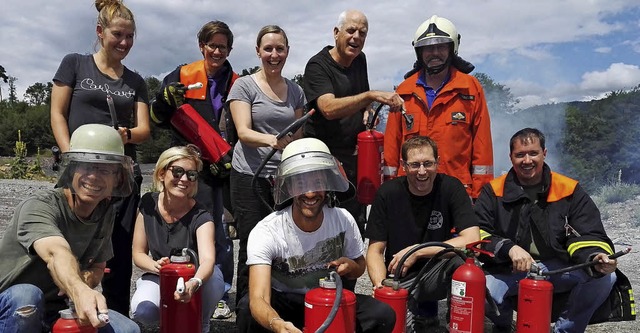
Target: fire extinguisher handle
point(472, 247)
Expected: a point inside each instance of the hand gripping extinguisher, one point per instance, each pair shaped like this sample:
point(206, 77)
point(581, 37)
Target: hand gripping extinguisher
point(535, 296)
point(195, 129)
point(68, 322)
point(370, 157)
point(468, 293)
point(330, 308)
point(176, 316)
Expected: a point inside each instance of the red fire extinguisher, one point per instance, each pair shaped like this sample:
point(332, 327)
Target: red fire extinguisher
point(396, 297)
point(370, 157)
point(176, 316)
point(535, 298)
point(468, 292)
point(329, 308)
point(68, 323)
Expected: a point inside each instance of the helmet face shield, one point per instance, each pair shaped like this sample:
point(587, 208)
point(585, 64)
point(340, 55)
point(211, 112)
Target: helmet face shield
point(115, 169)
point(433, 41)
point(308, 172)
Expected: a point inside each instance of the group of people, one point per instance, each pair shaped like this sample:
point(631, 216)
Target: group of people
point(438, 162)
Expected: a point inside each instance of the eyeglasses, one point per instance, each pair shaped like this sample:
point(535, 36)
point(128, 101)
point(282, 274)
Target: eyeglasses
point(413, 166)
point(104, 170)
point(220, 47)
point(178, 172)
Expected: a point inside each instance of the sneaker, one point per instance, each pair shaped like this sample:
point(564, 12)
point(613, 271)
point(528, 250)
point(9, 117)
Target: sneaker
point(222, 311)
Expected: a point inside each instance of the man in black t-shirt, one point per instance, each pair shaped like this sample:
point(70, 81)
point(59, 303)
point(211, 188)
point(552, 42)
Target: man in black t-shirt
point(423, 206)
point(336, 84)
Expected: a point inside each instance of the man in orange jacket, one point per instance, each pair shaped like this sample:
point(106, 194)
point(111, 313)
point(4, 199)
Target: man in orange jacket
point(443, 102)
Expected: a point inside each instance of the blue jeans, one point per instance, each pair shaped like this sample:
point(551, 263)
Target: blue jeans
point(587, 294)
point(22, 309)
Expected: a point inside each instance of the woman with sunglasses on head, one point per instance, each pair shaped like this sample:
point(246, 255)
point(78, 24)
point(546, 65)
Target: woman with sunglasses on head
point(172, 219)
point(81, 87)
point(262, 105)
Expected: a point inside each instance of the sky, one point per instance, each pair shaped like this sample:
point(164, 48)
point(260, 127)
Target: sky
point(544, 51)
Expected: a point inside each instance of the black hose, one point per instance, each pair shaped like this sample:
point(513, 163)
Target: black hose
point(412, 251)
point(372, 121)
point(193, 256)
point(585, 264)
point(336, 303)
point(292, 128)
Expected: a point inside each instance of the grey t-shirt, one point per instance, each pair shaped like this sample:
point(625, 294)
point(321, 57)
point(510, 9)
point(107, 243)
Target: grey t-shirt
point(90, 88)
point(45, 214)
point(267, 116)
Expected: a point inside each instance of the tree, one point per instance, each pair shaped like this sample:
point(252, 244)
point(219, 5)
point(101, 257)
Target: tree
point(38, 94)
point(3, 75)
point(249, 71)
point(500, 100)
point(153, 86)
point(299, 79)
point(13, 97)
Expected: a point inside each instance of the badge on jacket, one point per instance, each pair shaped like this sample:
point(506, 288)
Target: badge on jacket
point(458, 116)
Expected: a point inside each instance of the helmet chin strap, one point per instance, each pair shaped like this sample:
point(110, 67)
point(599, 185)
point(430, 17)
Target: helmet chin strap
point(432, 70)
point(332, 200)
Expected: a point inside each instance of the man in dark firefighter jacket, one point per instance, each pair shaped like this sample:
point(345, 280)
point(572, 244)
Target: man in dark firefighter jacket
point(532, 215)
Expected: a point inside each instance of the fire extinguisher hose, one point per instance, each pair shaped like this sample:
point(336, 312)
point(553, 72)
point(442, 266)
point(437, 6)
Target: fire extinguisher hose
point(585, 264)
point(336, 303)
point(292, 128)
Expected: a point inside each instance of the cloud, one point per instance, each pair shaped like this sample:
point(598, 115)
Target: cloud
point(511, 42)
point(618, 76)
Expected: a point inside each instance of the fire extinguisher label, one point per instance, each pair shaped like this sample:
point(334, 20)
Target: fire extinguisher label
point(461, 308)
point(458, 288)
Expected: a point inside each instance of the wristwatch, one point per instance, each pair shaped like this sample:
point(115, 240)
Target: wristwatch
point(198, 282)
point(128, 134)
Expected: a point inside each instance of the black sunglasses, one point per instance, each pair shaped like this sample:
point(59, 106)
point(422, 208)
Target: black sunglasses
point(178, 172)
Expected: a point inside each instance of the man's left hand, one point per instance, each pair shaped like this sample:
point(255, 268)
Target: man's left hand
point(605, 265)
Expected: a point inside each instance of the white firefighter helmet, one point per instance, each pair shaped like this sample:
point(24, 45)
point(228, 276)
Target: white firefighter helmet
point(308, 166)
point(436, 30)
point(97, 144)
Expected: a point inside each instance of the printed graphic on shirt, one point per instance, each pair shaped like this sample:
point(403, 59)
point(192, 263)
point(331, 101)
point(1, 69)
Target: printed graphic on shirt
point(302, 271)
point(435, 221)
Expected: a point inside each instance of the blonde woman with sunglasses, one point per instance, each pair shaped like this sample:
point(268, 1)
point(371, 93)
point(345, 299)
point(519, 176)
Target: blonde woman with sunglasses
point(172, 219)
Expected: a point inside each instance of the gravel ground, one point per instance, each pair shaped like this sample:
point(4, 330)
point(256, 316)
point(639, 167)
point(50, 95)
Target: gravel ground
point(621, 223)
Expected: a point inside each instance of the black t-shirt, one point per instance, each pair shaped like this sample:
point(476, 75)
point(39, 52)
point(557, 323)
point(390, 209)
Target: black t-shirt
point(163, 237)
point(323, 75)
point(393, 218)
point(88, 103)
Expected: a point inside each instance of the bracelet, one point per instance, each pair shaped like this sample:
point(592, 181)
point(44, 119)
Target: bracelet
point(272, 320)
point(198, 281)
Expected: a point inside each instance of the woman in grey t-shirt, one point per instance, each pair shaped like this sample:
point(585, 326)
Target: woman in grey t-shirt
point(262, 105)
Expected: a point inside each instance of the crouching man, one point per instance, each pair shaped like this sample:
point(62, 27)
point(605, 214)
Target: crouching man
point(292, 248)
point(532, 215)
point(59, 240)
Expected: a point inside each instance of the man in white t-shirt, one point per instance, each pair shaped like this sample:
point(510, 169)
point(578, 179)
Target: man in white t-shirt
point(292, 248)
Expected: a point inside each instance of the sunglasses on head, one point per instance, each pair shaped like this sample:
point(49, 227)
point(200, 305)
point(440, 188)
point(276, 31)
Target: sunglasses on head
point(178, 172)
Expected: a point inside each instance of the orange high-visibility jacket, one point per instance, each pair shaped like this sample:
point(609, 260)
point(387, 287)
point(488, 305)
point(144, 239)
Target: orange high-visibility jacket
point(459, 123)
